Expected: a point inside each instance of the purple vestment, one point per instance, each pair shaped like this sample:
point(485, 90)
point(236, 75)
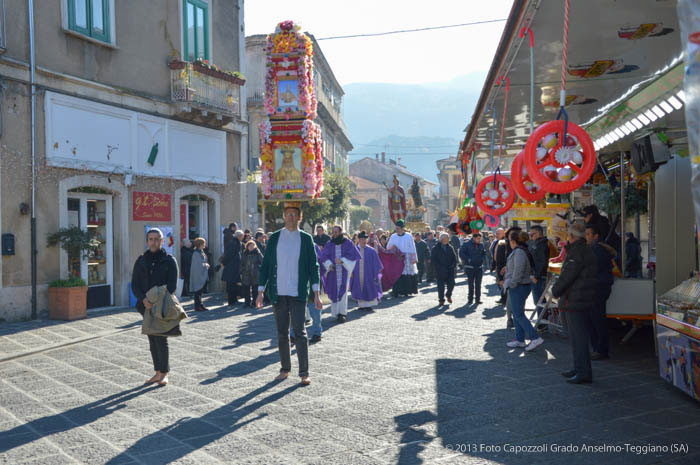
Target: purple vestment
point(337, 283)
point(369, 287)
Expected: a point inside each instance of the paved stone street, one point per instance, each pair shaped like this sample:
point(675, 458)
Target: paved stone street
point(409, 383)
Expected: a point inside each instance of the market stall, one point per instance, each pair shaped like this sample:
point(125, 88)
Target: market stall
point(574, 75)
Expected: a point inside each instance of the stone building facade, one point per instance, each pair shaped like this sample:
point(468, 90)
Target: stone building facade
point(131, 132)
point(371, 174)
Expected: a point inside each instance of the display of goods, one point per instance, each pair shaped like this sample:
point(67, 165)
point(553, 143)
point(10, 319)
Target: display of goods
point(495, 194)
point(522, 183)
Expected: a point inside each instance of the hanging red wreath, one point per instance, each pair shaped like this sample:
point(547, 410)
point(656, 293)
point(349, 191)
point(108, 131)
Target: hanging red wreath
point(495, 194)
point(522, 183)
point(558, 161)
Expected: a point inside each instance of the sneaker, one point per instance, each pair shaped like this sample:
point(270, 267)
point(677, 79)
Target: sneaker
point(534, 344)
point(515, 344)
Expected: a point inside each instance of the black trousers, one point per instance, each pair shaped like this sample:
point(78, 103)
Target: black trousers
point(598, 323)
point(474, 276)
point(233, 290)
point(185, 285)
point(429, 271)
point(250, 293)
point(198, 298)
point(421, 271)
point(289, 310)
point(578, 323)
point(159, 353)
point(441, 284)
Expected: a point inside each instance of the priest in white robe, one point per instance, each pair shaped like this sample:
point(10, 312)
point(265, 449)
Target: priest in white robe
point(407, 284)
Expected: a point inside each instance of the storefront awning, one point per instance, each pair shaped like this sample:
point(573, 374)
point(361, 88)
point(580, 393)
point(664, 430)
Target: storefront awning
point(624, 60)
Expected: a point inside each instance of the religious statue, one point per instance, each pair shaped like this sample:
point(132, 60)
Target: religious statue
point(288, 173)
point(397, 201)
point(415, 193)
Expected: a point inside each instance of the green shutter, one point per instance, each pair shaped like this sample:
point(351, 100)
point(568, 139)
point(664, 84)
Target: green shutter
point(195, 46)
point(89, 26)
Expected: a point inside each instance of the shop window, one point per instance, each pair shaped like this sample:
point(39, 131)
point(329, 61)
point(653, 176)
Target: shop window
point(195, 29)
point(90, 17)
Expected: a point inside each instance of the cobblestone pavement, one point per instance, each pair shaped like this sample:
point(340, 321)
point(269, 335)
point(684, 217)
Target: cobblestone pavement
point(409, 383)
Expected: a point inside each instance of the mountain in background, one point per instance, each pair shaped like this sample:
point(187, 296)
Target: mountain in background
point(419, 123)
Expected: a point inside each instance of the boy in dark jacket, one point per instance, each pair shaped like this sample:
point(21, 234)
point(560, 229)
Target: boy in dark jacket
point(472, 254)
point(155, 268)
point(576, 288)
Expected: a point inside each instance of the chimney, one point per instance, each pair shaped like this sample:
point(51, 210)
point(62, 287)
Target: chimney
point(383, 157)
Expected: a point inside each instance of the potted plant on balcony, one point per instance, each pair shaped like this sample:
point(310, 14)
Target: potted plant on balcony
point(68, 297)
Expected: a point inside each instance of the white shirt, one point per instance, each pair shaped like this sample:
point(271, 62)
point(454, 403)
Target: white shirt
point(288, 252)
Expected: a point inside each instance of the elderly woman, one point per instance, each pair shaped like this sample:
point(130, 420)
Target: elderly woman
point(520, 269)
point(444, 261)
point(199, 273)
point(232, 269)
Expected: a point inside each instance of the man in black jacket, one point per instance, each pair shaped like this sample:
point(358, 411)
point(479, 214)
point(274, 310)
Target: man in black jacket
point(633, 257)
point(472, 254)
point(432, 242)
point(155, 268)
point(423, 255)
point(540, 252)
point(444, 261)
point(321, 238)
point(232, 269)
point(576, 288)
point(186, 260)
point(229, 235)
point(598, 321)
point(607, 235)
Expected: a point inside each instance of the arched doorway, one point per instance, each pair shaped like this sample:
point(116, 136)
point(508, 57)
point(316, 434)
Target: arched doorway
point(98, 205)
point(199, 215)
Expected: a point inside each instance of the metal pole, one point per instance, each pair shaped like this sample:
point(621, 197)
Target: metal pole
point(32, 71)
point(622, 212)
point(493, 134)
point(532, 89)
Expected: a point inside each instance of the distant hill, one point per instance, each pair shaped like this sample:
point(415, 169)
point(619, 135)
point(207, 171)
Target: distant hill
point(411, 119)
point(418, 154)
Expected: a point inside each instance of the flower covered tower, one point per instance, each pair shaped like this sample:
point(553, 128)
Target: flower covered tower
point(290, 141)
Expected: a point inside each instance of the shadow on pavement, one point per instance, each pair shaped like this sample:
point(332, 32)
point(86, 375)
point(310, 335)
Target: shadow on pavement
point(68, 420)
point(217, 423)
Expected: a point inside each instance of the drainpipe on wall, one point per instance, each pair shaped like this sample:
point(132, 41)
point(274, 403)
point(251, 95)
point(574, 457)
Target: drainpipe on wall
point(32, 68)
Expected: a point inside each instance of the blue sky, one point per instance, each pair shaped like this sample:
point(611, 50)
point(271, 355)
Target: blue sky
point(412, 58)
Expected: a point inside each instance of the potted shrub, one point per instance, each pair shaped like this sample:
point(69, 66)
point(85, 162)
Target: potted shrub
point(68, 297)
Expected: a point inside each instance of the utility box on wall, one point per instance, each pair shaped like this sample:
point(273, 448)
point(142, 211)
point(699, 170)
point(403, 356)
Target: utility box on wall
point(8, 244)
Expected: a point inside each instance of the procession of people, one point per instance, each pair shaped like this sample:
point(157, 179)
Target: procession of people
point(296, 272)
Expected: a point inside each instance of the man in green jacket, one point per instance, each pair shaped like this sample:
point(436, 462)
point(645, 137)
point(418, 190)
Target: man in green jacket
point(290, 265)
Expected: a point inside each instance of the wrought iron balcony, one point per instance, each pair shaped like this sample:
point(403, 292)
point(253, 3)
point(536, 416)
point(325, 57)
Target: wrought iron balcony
point(202, 91)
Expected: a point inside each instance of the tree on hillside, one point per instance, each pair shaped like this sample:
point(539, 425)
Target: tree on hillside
point(358, 215)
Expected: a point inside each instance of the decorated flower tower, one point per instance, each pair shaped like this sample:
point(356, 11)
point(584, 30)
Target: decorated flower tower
point(290, 141)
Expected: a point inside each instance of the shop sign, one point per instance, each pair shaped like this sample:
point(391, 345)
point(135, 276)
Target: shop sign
point(151, 206)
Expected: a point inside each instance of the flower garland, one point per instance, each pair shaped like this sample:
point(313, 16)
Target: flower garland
point(266, 157)
point(312, 158)
point(296, 47)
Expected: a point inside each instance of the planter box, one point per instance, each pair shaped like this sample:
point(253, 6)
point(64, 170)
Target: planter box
point(67, 303)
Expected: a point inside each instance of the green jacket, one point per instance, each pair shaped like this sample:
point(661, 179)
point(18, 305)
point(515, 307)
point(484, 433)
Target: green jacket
point(308, 267)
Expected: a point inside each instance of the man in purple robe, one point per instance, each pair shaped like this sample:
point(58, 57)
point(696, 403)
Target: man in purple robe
point(338, 257)
point(364, 283)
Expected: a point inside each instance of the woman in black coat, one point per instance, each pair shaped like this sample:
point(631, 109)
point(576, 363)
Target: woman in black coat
point(155, 268)
point(232, 269)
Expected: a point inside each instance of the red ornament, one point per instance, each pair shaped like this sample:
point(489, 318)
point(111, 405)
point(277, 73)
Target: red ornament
point(495, 194)
point(519, 180)
point(561, 161)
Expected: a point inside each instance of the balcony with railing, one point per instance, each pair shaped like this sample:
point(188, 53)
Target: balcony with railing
point(204, 92)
